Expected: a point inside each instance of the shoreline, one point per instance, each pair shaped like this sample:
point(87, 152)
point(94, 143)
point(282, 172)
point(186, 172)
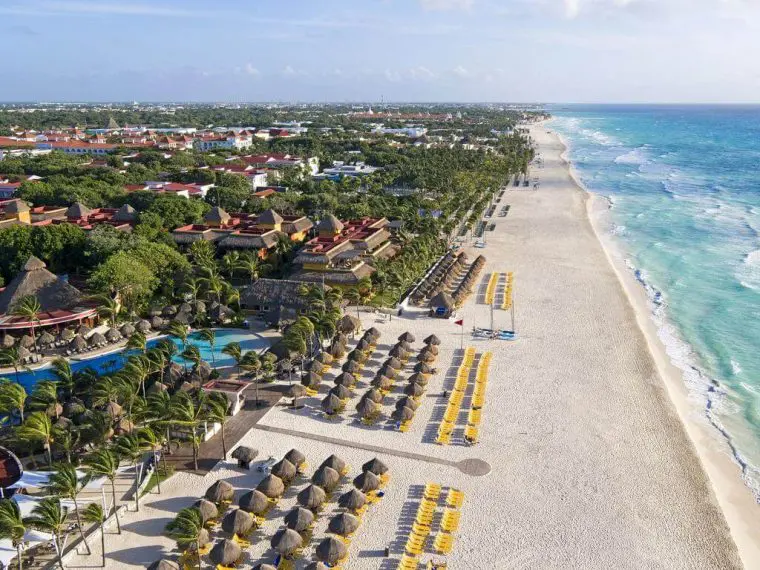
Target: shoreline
point(735, 498)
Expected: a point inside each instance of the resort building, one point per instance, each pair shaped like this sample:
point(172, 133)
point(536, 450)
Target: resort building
point(342, 253)
point(123, 218)
point(240, 231)
point(275, 301)
point(14, 212)
point(341, 170)
point(61, 303)
point(184, 190)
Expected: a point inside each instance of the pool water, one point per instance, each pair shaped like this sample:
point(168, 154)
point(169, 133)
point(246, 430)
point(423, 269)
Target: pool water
point(113, 361)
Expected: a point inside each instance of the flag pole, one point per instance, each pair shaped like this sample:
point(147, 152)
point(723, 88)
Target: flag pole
point(461, 338)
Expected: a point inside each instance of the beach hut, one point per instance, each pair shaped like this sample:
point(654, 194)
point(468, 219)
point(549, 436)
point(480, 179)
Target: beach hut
point(296, 458)
point(113, 335)
point(332, 404)
point(220, 491)
point(345, 379)
point(254, 501)
point(271, 486)
point(407, 402)
point(394, 363)
point(164, 564)
point(299, 519)
point(326, 477)
point(343, 524)
point(336, 463)
point(207, 509)
point(374, 395)
point(237, 522)
point(331, 551)
point(414, 390)
point(402, 414)
point(341, 391)
point(442, 305)
point(382, 382)
point(312, 497)
point(407, 337)
point(286, 541)
point(143, 326)
point(432, 340)
point(375, 466)
point(352, 500)
point(367, 481)
point(225, 553)
point(285, 470)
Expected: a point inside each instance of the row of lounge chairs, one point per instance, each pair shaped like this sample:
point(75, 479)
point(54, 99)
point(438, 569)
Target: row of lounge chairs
point(456, 397)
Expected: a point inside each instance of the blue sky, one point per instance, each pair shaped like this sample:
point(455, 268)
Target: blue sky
point(401, 50)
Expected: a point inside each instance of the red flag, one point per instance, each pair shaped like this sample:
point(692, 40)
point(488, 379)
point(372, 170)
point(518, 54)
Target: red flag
point(460, 322)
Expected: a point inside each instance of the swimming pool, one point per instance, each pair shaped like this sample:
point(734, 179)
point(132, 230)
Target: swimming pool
point(113, 361)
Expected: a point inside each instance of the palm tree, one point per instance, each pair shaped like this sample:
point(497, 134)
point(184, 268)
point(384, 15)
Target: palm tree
point(159, 413)
point(65, 483)
point(137, 341)
point(192, 286)
point(209, 335)
point(44, 398)
point(252, 363)
point(192, 354)
point(189, 412)
point(49, 516)
point(29, 308)
point(251, 264)
point(93, 514)
point(12, 526)
point(216, 411)
point(128, 447)
point(10, 356)
point(150, 440)
point(12, 398)
point(230, 263)
point(214, 285)
point(64, 375)
point(178, 331)
point(38, 429)
point(108, 307)
point(187, 529)
point(104, 463)
point(234, 351)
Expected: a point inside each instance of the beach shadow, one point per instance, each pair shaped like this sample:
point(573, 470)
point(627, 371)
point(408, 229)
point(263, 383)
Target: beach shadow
point(172, 505)
point(142, 555)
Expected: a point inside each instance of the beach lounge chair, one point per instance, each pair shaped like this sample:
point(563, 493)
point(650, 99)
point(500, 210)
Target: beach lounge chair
point(409, 562)
point(443, 543)
point(450, 520)
point(454, 498)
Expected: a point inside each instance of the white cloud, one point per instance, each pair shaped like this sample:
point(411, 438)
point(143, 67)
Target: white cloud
point(392, 76)
point(422, 73)
point(250, 70)
point(447, 4)
point(461, 71)
point(574, 8)
point(288, 71)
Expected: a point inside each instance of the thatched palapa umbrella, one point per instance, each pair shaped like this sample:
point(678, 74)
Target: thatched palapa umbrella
point(418, 378)
point(423, 368)
point(426, 357)
point(407, 402)
point(373, 332)
point(332, 404)
point(432, 340)
point(343, 524)
point(317, 566)
point(387, 371)
point(402, 414)
point(271, 486)
point(220, 491)
point(324, 358)
point(238, 522)
point(363, 345)
point(312, 497)
point(299, 519)
point(157, 323)
point(403, 344)
point(264, 566)
point(296, 391)
point(46, 338)
point(331, 550)
point(67, 334)
point(127, 329)
point(367, 408)
point(375, 466)
point(367, 481)
point(341, 391)
point(374, 395)
point(26, 341)
point(352, 500)
point(357, 356)
point(286, 541)
point(164, 564)
point(112, 335)
point(84, 330)
point(349, 324)
point(311, 380)
point(407, 337)
point(143, 326)
point(414, 390)
point(352, 367)
point(285, 470)
point(345, 379)
point(336, 463)
point(296, 458)
point(254, 502)
point(244, 454)
point(326, 478)
point(398, 352)
point(97, 339)
point(382, 382)
point(225, 553)
point(394, 363)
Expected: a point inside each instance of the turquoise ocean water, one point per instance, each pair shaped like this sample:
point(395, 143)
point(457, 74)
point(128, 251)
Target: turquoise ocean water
point(684, 187)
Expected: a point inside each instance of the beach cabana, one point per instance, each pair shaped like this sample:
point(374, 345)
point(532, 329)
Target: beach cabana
point(285, 470)
point(254, 502)
point(335, 462)
point(442, 305)
point(244, 456)
point(225, 553)
point(312, 497)
point(237, 522)
point(286, 541)
point(367, 481)
point(326, 477)
point(219, 492)
point(375, 466)
point(352, 500)
point(271, 486)
point(299, 519)
point(343, 524)
point(331, 551)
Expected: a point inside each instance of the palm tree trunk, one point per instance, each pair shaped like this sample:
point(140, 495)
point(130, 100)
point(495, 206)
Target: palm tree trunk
point(115, 509)
point(195, 449)
point(58, 550)
point(79, 524)
point(137, 488)
point(103, 542)
point(158, 475)
point(168, 442)
point(49, 454)
point(198, 552)
point(18, 556)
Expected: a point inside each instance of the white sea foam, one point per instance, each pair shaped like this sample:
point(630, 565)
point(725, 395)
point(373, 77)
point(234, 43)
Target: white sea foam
point(748, 273)
point(635, 156)
point(736, 369)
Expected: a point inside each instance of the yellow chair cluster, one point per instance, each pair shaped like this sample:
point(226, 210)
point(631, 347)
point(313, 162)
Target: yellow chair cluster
point(491, 288)
point(506, 303)
point(455, 399)
point(474, 416)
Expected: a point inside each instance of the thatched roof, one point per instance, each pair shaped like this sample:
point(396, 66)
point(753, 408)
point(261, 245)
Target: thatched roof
point(254, 502)
point(432, 339)
point(317, 566)
point(367, 407)
point(225, 553)
point(352, 367)
point(244, 453)
point(264, 566)
point(367, 481)
point(284, 469)
point(442, 299)
point(220, 491)
point(312, 497)
point(414, 390)
point(331, 403)
point(207, 509)
point(296, 391)
point(299, 519)
point(341, 391)
point(97, 339)
point(382, 382)
point(269, 217)
point(271, 486)
point(418, 378)
point(35, 280)
point(237, 521)
point(112, 335)
point(127, 329)
point(345, 379)
point(343, 524)
point(398, 352)
point(394, 363)
point(349, 324)
point(46, 338)
point(164, 564)
point(402, 414)
point(326, 477)
point(311, 380)
point(143, 326)
point(331, 550)
point(407, 337)
point(330, 224)
point(375, 466)
point(423, 368)
point(374, 395)
point(274, 292)
point(372, 331)
point(77, 211)
point(334, 462)
point(8, 341)
point(295, 457)
point(216, 215)
point(352, 500)
point(286, 541)
point(363, 345)
point(324, 358)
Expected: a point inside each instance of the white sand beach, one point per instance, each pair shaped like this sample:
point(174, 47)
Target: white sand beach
point(590, 465)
